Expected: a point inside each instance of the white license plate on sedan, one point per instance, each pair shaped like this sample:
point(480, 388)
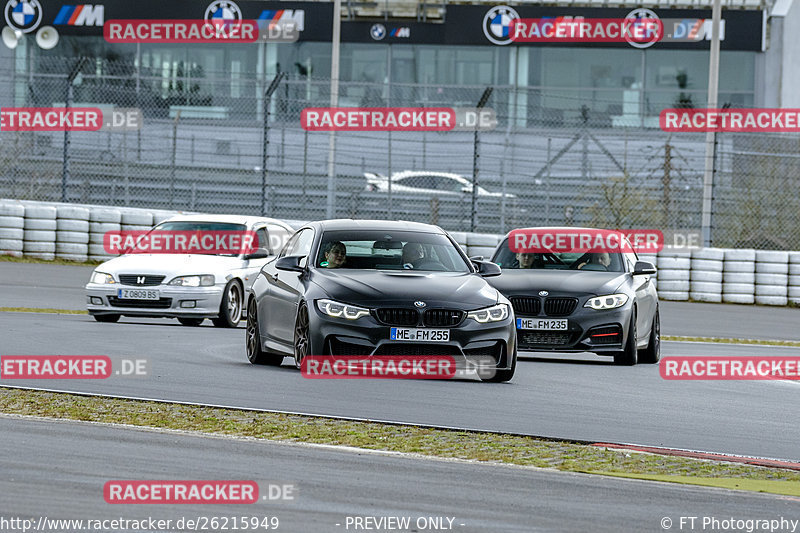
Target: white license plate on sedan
point(542, 323)
point(420, 335)
point(137, 294)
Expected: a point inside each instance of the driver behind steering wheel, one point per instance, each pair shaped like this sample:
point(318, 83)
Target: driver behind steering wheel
point(413, 255)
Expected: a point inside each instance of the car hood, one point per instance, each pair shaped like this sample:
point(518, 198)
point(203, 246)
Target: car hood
point(557, 282)
point(375, 288)
point(170, 264)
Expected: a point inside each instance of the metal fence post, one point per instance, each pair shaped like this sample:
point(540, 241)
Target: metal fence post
point(273, 86)
point(481, 103)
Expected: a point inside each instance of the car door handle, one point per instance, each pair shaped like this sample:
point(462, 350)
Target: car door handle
point(275, 276)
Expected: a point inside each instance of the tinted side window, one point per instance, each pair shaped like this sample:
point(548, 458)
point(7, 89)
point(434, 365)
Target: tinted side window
point(263, 240)
point(289, 245)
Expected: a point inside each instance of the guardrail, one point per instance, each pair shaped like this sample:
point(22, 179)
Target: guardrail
point(50, 230)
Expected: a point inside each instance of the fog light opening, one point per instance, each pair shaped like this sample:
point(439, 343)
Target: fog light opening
point(188, 303)
point(96, 300)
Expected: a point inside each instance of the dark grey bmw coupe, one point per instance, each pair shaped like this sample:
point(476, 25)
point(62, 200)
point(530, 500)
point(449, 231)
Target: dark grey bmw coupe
point(583, 301)
point(378, 288)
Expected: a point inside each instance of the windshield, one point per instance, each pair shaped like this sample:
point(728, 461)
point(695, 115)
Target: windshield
point(200, 229)
point(590, 261)
point(389, 250)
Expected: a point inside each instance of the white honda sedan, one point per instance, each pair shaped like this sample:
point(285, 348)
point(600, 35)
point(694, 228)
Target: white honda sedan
point(188, 286)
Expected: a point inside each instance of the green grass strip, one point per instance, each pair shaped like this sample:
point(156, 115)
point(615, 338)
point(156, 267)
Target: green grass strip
point(788, 488)
point(476, 446)
point(41, 310)
point(763, 342)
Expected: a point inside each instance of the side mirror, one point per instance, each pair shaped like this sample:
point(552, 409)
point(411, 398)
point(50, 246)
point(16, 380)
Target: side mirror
point(488, 269)
point(290, 263)
point(260, 253)
point(642, 268)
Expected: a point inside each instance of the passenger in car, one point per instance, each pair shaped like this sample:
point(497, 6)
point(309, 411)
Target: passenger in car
point(529, 260)
point(335, 255)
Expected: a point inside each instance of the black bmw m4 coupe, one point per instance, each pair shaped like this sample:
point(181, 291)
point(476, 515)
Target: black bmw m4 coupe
point(376, 288)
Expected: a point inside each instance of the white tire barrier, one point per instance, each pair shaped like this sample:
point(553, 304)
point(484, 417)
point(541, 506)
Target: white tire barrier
point(674, 263)
point(794, 268)
point(738, 288)
point(73, 229)
point(735, 254)
point(485, 251)
point(673, 295)
point(12, 216)
point(481, 239)
point(710, 254)
point(772, 268)
point(44, 224)
point(71, 251)
point(705, 276)
point(738, 298)
point(101, 221)
point(34, 211)
point(793, 290)
point(40, 231)
point(739, 277)
point(708, 297)
point(13, 234)
point(673, 285)
point(12, 222)
point(781, 280)
point(137, 218)
point(11, 209)
point(738, 266)
point(772, 300)
point(673, 275)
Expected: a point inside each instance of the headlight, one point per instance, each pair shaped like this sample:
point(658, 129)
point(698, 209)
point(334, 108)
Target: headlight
point(609, 301)
point(340, 310)
point(495, 313)
point(206, 280)
point(102, 278)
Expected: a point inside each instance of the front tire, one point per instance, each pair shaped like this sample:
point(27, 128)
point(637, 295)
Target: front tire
point(255, 354)
point(652, 354)
point(628, 356)
point(107, 318)
point(501, 376)
point(230, 309)
point(302, 336)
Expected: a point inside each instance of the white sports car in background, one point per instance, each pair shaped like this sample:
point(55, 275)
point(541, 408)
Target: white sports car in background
point(429, 183)
point(189, 287)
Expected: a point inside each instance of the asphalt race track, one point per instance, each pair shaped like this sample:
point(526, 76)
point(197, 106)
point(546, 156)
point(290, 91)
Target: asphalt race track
point(583, 397)
point(576, 397)
point(60, 477)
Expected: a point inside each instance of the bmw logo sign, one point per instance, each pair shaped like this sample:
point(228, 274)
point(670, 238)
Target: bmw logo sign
point(420, 304)
point(543, 293)
point(377, 31)
point(497, 24)
point(23, 15)
point(637, 15)
point(223, 11)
